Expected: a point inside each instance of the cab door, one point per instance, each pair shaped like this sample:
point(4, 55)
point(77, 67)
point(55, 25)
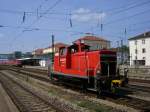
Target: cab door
point(105, 69)
point(62, 59)
point(108, 65)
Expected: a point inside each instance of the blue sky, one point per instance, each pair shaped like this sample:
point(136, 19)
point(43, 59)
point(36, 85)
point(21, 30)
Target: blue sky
point(46, 17)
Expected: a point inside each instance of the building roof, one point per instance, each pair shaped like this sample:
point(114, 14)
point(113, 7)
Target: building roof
point(59, 44)
point(143, 35)
point(38, 51)
point(92, 38)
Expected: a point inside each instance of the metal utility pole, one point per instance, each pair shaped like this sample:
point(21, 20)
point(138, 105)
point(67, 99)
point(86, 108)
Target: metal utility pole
point(122, 52)
point(53, 48)
point(125, 34)
point(51, 61)
point(117, 46)
point(118, 51)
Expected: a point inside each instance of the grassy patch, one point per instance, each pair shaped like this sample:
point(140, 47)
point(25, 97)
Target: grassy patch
point(93, 106)
point(74, 99)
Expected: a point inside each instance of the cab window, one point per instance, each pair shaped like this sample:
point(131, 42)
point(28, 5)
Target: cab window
point(85, 48)
point(63, 51)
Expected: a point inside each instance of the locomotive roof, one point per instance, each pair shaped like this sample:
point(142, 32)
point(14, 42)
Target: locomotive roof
point(75, 44)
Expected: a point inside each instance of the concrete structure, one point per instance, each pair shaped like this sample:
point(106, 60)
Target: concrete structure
point(6, 104)
point(139, 47)
point(136, 72)
point(95, 42)
point(17, 54)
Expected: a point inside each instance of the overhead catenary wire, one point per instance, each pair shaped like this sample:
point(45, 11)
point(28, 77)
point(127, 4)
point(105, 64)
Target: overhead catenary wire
point(113, 11)
point(51, 7)
point(123, 18)
point(130, 7)
point(127, 17)
point(129, 26)
point(24, 17)
point(29, 28)
point(20, 34)
point(142, 3)
point(105, 24)
point(24, 29)
point(134, 5)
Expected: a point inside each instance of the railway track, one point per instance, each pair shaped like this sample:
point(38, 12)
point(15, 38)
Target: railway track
point(138, 88)
point(25, 100)
point(44, 72)
point(139, 80)
point(43, 76)
point(124, 100)
point(29, 98)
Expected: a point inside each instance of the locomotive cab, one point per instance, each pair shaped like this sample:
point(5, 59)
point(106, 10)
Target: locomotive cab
point(95, 70)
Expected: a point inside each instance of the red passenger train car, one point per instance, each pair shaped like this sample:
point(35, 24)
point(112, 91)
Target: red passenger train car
point(94, 70)
point(12, 62)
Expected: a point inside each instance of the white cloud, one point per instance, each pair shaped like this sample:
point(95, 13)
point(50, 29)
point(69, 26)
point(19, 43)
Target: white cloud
point(85, 15)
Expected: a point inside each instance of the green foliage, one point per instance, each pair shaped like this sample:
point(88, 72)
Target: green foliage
point(93, 106)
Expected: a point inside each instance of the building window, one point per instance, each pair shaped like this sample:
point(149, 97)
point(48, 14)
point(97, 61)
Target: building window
point(135, 42)
point(143, 41)
point(98, 47)
point(136, 51)
point(143, 50)
point(143, 58)
point(135, 57)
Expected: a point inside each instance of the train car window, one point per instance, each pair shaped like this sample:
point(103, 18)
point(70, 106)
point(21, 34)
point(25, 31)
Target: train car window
point(74, 49)
point(85, 48)
point(63, 51)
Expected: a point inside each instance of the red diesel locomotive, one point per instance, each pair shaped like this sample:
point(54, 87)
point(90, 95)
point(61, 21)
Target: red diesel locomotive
point(94, 70)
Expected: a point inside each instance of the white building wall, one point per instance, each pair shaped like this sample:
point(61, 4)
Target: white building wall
point(148, 51)
point(47, 50)
point(139, 47)
point(97, 44)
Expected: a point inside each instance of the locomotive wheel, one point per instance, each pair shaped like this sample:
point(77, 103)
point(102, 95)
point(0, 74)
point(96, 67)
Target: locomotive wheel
point(51, 77)
point(84, 87)
point(113, 88)
point(100, 93)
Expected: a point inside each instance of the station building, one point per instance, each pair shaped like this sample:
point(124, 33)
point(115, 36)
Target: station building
point(45, 54)
point(95, 42)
